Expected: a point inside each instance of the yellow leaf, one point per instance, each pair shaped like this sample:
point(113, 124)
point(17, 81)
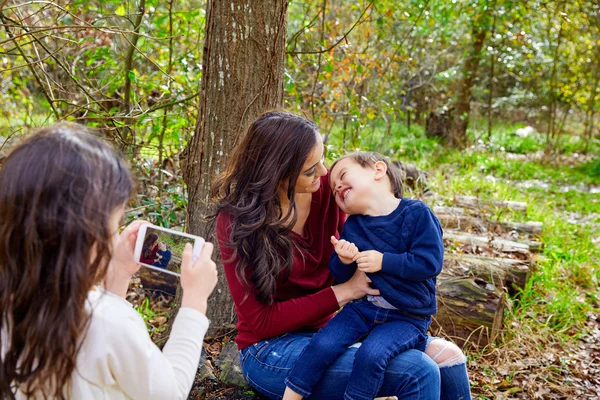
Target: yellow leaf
point(120, 11)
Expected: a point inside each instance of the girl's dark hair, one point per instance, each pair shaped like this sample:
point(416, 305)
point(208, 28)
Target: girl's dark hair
point(58, 190)
point(270, 156)
point(148, 241)
point(368, 159)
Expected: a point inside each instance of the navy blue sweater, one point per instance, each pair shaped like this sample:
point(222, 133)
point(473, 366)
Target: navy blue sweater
point(410, 239)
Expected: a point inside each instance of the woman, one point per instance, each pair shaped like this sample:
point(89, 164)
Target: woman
point(275, 217)
point(149, 249)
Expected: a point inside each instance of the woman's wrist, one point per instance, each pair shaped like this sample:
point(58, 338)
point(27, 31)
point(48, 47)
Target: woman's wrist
point(343, 293)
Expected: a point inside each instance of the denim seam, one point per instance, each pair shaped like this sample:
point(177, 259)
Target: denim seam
point(412, 378)
point(296, 388)
point(257, 386)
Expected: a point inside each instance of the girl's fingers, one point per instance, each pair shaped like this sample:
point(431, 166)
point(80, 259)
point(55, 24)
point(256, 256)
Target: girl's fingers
point(206, 253)
point(186, 256)
point(334, 241)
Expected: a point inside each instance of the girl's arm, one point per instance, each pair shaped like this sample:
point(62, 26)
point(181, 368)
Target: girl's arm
point(137, 367)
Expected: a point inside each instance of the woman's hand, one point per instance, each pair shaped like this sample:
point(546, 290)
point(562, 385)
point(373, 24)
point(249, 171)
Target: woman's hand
point(122, 265)
point(198, 279)
point(355, 288)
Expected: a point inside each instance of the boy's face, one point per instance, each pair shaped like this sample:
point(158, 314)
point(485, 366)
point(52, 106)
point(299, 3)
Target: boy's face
point(352, 186)
point(162, 246)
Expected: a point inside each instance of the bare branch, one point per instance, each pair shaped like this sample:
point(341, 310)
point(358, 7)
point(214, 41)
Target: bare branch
point(31, 68)
point(344, 37)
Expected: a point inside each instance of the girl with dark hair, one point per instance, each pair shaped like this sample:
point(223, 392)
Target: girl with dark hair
point(149, 249)
point(62, 336)
point(275, 216)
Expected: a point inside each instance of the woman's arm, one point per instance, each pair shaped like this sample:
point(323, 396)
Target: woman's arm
point(268, 320)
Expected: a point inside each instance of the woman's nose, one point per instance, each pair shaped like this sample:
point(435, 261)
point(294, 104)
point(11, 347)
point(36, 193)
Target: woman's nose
point(321, 170)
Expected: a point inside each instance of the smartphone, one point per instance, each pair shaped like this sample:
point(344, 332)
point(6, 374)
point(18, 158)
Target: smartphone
point(161, 249)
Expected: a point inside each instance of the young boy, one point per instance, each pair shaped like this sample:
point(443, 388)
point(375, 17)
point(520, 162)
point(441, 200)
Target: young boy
point(163, 256)
point(398, 243)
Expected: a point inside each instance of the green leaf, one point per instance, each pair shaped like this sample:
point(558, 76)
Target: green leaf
point(329, 66)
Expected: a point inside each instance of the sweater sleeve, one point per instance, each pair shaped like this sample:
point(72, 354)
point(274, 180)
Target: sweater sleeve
point(425, 257)
point(268, 320)
point(138, 366)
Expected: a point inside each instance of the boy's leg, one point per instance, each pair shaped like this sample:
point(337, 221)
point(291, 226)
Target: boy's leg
point(348, 326)
point(411, 375)
point(383, 343)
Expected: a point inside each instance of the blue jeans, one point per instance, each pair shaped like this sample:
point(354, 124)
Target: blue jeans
point(410, 375)
point(390, 332)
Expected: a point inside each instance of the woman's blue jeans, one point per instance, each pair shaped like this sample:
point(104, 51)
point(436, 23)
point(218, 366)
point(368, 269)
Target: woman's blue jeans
point(390, 332)
point(409, 375)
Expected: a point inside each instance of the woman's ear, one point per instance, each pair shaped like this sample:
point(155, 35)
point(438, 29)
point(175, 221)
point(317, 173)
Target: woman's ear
point(380, 170)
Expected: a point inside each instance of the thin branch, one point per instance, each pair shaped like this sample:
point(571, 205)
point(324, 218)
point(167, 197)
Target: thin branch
point(2, 4)
point(404, 38)
point(130, 53)
point(31, 68)
point(343, 38)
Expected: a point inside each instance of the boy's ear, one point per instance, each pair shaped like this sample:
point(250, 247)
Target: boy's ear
point(380, 170)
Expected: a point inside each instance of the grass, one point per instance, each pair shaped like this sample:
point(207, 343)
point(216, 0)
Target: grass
point(565, 285)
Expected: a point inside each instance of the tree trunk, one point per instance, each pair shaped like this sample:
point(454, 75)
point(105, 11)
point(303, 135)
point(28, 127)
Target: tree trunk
point(458, 131)
point(242, 76)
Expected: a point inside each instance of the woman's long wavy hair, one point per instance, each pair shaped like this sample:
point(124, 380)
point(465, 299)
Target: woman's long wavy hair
point(57, 192)
point(268, 158)
point(148, 242)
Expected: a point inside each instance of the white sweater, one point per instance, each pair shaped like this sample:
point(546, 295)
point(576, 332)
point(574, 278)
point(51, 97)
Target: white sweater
point(117, 359)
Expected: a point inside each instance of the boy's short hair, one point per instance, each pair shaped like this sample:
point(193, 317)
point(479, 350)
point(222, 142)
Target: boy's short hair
point(368, 159)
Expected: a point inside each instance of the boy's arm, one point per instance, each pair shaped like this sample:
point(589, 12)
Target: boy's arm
point(425, 258)
point(341, 272)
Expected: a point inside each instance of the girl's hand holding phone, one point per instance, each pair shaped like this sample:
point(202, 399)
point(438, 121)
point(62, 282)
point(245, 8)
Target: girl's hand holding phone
point(198, 279)
point(122, 265)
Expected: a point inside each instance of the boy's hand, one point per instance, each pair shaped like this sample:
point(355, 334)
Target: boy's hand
point(369, 261)
point(345, 250)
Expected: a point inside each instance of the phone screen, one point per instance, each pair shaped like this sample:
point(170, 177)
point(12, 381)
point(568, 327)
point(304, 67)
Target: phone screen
point(163, 250)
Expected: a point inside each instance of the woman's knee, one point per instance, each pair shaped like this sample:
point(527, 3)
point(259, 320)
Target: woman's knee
point(445, 353)
point(410, 367)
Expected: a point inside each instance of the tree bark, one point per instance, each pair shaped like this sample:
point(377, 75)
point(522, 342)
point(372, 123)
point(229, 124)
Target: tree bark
point(242, 76)
point(501, 272)
point(460, 122)
point(470, 311)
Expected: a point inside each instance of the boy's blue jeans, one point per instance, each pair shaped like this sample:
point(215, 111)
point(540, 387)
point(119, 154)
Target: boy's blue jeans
point(390, 332)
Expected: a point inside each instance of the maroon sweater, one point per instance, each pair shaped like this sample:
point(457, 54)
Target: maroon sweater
point(305, 300)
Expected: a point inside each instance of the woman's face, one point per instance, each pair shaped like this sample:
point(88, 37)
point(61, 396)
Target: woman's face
point(312, 170)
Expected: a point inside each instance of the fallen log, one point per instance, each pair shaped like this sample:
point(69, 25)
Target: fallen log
point(504, 245)
point(449, 210)
point(530, 227)
point(470, 310)
point(500, 272)
point(474, 202)
point(461, 222)
point(158, 281)
point(466, 222)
